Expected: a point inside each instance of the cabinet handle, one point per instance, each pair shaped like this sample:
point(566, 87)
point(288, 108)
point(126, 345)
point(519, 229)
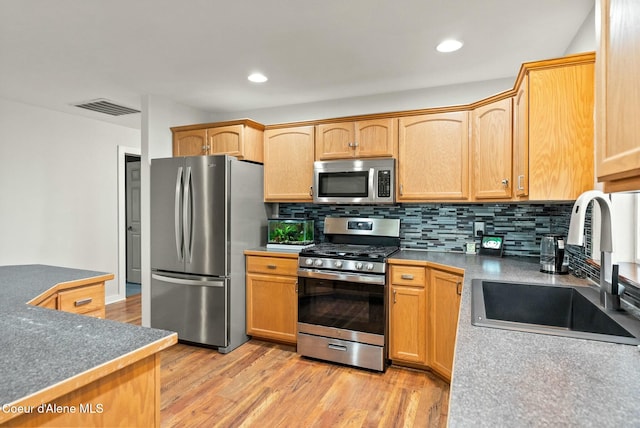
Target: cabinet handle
point(272, 267)
point(310, 190)
point(505, 182)
point(337, 347)
point(459, 288)
point(296, 287)
point(401, 189)
point(407, 276)
point(394, 296)
point(83, 302)
point(520, 180)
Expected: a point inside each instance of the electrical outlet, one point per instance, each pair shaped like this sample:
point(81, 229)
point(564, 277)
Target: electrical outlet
point(478, 228)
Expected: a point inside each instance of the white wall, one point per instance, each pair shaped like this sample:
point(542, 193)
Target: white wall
point(585, 38)
point(381, 103)
point(58, 188)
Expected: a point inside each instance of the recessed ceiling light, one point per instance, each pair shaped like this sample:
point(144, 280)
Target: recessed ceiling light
point(257, 78)
point(449, 45)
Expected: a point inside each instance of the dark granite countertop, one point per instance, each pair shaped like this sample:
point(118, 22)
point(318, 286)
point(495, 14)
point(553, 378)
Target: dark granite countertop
point(507, 378)
point(42, 347)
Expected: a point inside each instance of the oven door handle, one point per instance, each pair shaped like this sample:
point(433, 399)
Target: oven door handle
point(342, 276)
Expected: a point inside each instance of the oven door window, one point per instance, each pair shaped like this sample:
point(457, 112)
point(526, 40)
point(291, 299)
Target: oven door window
point(344, 305)
point(354, 184)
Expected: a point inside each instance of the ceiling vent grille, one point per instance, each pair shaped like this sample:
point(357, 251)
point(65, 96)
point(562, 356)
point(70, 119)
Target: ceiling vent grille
point(107, 107)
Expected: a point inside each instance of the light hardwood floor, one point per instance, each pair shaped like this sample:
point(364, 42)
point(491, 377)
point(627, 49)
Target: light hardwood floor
point(265, 384)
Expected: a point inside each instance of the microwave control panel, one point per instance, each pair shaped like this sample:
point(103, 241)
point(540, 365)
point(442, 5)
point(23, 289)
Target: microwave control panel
point(384, 183)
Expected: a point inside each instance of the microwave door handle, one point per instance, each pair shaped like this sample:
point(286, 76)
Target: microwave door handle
point(372, 184)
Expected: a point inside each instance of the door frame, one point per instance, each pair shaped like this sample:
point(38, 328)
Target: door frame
point(123, 151)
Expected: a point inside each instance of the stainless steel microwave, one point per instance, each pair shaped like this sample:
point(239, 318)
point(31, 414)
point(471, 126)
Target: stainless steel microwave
point(361, 181)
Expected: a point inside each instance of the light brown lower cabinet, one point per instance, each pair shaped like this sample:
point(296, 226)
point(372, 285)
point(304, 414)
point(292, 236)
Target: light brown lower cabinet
point(272, 300)
point(445, 292)
point(85, 299)
point(423, 316)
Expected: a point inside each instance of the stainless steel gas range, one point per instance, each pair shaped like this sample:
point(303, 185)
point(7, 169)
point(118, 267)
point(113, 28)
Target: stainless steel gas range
point(342, 297)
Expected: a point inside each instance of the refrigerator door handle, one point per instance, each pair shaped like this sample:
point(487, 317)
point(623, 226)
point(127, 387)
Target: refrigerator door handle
point(186, 216)
point(201, 282)
point(177, 215)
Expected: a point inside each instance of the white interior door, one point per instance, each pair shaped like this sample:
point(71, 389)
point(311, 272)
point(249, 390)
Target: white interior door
point(133, 222)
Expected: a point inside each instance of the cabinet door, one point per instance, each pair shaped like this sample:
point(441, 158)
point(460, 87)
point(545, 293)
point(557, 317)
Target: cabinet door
point(408, 324)
point(376, 138)
point(618, 95)
point(521, 139)
point(444, 303)
point(335, 141)
point(227, 140)
point(288, 164)
point(272, 307)
point(561, 132)
point(190, 143)
point(433, 157)
point(492, 152)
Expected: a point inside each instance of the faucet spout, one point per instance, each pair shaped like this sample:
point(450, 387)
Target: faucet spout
point(609, 297)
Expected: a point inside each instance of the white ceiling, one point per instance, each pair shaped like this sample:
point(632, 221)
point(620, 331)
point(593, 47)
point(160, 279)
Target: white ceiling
point(199, 52)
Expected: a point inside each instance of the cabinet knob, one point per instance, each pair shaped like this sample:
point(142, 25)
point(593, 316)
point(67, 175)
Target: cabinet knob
point(505, 182)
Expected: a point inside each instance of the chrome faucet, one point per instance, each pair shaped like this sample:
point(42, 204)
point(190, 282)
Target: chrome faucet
point(610, 290)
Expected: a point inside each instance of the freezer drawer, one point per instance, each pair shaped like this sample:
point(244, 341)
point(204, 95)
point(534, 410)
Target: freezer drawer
point(194, 307)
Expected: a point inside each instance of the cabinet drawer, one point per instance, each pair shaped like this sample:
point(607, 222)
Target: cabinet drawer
point(82, 300)
point(272, 265)
point(408, 275)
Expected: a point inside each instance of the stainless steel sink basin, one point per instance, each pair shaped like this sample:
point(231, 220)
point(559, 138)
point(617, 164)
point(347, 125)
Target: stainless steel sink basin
point(550, 309)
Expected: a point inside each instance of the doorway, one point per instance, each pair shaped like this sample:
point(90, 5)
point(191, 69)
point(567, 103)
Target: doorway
point(129, 205)
point(133, 217)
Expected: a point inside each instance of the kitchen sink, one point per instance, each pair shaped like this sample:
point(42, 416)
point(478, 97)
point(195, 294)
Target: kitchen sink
point(558, 310)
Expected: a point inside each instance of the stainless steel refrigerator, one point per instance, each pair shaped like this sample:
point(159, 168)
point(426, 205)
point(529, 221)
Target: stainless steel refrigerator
point(205, 211)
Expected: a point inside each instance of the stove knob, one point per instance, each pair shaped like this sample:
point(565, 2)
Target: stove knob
point(358, 265)
point(308, 262)
point(338, 264)
point(318, 262)
point(369, 266)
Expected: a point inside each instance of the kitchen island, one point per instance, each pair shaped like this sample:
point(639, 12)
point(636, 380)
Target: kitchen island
point(64, 369)
point(510, 378)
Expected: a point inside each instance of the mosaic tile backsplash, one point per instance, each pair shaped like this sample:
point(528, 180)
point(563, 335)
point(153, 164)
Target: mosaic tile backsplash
point(448, 227)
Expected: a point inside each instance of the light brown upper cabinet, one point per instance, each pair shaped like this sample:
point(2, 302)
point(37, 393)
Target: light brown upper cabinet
point(492, 150)
point(190, 142)
point(242, 139)
point(521, 139)
point(361, 139)
point(553, 129)
point(433, 157)
point(288, 164)
point(618, 95)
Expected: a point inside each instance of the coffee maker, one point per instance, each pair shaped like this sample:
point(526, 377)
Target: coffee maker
point(553, 258)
